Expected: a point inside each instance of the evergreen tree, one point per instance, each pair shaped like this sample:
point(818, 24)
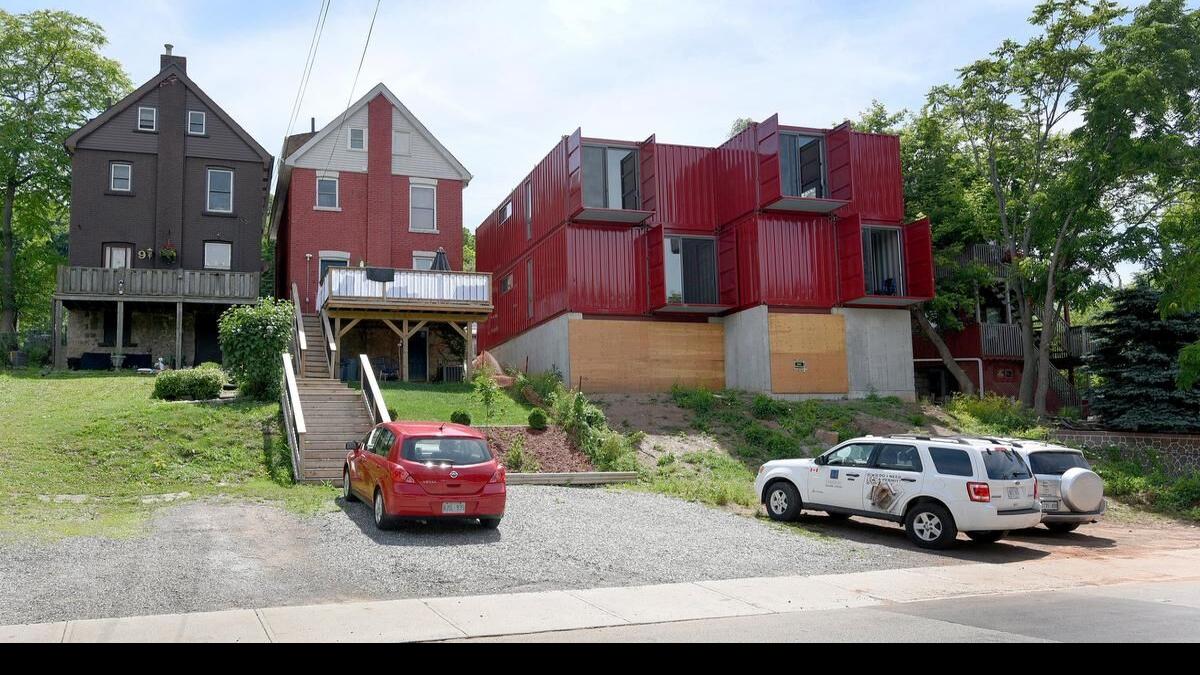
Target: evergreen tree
point(1136, 356)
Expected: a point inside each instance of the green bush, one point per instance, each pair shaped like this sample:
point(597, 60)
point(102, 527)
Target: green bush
point(519, 461)
point(193, 384)
point(461, 417)
point(766, 408)
point(537, 419)
point(586, 425)
point(698, 400)
point(252, 339)
point(487, 391)
point(992, 415)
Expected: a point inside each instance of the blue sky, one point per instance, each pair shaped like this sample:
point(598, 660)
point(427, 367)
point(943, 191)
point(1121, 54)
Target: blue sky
point(500, 82)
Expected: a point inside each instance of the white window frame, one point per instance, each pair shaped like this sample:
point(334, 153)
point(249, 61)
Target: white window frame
point(413, 185)
point(112, 175)
point(154, 120)
point(337, 193)
point(208, 191)
point(106, 254)
point(350, 139)
point(219, 243)
point(203, 123)
point(396, 134)
point(505, 212)
point(431, 255)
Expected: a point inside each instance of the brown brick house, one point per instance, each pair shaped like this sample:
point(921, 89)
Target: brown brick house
point(168, 194)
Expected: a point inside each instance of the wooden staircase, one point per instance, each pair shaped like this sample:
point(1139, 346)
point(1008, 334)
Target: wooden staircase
point(334, 413)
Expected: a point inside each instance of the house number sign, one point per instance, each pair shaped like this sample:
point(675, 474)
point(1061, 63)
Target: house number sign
point(145, 253)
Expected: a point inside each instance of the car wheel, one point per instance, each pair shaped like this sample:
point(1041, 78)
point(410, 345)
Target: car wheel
point(382, 521)
point(347, 491)
point(930, 525)
point(837, 515)
point(1061, 528)
point(489, 523)
point(783, 501)
point(987, 536)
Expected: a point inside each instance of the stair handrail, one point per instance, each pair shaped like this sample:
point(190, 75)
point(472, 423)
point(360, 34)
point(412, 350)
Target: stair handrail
point(298, 339)
point(372, 396)
point(293, 414)
point(330, 341)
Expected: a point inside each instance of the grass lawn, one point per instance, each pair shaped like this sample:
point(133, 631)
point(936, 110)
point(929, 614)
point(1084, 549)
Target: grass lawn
point(435, 402)
point(79, 453)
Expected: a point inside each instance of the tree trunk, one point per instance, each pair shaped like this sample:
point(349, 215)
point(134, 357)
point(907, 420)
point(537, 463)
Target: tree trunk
point(964, 382)
point(8, 256)
point(1029, 357)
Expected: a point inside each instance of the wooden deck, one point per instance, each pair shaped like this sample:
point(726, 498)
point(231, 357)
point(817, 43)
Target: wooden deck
point(412, 294)
point(156, 285)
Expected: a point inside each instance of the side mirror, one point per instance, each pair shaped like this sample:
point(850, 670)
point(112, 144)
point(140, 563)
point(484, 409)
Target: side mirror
point(351, 446)
point(820, 460)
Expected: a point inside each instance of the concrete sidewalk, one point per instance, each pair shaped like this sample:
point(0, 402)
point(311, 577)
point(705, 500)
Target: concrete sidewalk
point(524, 613)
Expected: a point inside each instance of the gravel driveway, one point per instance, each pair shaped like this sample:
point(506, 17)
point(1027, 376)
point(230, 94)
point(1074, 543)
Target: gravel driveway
point(223, 554)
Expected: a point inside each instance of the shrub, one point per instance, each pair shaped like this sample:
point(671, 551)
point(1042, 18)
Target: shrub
point(461, 417)
point(193, 384)
point(537, 419)
point(519, 461)
point(487, 391)
point(993, 415)
point(252, 339)
point(766, 408)
point(392, 413)
point(698, 400)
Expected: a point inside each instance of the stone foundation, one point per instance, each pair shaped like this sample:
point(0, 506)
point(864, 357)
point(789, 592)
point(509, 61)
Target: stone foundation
point(151, 331)
point(1178, 453)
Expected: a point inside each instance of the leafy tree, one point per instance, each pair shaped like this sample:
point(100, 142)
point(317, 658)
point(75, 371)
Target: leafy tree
point(468, 250)
point(1135, 355)
point(1178, 274)
point(487, 391)
point(739, 125)
point(52, 78)
point(252, 339)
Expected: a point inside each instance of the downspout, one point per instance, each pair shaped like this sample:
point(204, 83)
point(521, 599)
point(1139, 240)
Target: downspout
point(978, 363)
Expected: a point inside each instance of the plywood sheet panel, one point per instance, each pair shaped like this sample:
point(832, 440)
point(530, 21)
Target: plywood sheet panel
point(646, 356)
point(817, 340)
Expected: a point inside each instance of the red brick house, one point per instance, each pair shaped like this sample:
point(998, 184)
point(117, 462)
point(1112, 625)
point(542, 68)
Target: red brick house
point(375, 190)
point(779, 262)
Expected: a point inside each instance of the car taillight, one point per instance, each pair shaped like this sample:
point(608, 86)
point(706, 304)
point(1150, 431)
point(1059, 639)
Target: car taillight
point(499, 475)
point(399, 475)
point(979, 492)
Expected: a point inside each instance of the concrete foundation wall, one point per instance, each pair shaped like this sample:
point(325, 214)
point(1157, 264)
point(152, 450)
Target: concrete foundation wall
point(748, 350)
point(544, 348)
point(879, 352)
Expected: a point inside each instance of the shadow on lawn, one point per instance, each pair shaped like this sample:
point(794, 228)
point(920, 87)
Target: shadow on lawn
point(420, 533)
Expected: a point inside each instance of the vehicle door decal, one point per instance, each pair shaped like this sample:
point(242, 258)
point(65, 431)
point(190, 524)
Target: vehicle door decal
point(886, 490)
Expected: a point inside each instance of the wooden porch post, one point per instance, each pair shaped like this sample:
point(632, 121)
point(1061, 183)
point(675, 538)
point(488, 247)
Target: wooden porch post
point(56, 335)
point(120, 348)
point(404, 349)
point(470, 350)
point(337, 342)
point(178, 335)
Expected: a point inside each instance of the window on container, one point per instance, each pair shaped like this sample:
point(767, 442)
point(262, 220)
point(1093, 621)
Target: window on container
point(529, 209)
point(505, 212)
point(883, 256)
point(120, 177)
point(423, 260)
point(802, 165)
point(506, 283)
point(118, 256)
point(357, 139)
point(147, 119)
point(610, 177)
point(327, 193)
point(220, 190)
point(529, 288)
point(197, 122)
point(691, 270)
point(423, 209)
point(218, 255)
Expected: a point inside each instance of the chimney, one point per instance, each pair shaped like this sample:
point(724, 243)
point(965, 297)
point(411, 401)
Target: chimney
point(168, 59)
point(313, 123)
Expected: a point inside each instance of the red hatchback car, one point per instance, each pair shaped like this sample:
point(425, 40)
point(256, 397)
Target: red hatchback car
point(425, 471)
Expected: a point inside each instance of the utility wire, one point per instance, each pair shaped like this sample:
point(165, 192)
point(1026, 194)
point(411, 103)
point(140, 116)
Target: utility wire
point(313, 46)
point(350, 98)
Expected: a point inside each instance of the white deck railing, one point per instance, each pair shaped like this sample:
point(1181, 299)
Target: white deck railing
point(427, 286)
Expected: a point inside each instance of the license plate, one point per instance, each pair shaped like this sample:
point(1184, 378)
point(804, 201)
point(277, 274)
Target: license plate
point(1014, 493)
point(454, 507)
point(1050, 505)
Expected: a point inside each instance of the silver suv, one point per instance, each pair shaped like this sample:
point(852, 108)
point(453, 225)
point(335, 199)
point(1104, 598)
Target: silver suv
point(1071, 493)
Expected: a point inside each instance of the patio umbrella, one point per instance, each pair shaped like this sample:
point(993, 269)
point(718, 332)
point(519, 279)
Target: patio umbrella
point(440, 262)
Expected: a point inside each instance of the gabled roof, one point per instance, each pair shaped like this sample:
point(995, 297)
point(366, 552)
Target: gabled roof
point(378, 89)
point(171, 70)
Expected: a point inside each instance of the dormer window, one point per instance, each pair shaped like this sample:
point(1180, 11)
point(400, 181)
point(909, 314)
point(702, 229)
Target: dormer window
point(357, 139)
point(147, 119)
point(197, 123)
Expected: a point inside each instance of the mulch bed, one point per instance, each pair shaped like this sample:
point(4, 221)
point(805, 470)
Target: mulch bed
point(553, 448)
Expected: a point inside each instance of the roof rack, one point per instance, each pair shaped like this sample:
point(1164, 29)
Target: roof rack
point(942, 439)
point(996, 441)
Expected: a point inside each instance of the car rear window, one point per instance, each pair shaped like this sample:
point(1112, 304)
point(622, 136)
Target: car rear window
point(1056, 463)
point(446, 450)
point(951, 462)
point(1003, 464)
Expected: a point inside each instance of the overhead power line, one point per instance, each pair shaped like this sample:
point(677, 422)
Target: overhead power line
point(350, 99)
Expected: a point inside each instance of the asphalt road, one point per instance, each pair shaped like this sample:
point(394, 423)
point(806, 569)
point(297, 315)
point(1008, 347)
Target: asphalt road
point(1148, 612)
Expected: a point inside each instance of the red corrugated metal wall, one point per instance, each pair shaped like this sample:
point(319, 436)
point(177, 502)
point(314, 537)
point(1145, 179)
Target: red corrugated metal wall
point(735, 166)
point(749, 274)
point(656, 282)
point(839, 158)
point(727, 267)
point(511, 317)
point(918, 259)
point(770, 186)
point(853, 284)
point(797, 259)
point(606, 270)
point(878, 187)
point(685, 201)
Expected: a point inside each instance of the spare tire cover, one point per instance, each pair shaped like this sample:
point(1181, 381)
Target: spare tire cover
point(1082, 489)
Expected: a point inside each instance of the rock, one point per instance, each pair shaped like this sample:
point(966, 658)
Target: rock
point(826, 438)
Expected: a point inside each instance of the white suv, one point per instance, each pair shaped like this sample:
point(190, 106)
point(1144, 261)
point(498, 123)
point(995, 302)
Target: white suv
point(936, 487)
point(1072, 494)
